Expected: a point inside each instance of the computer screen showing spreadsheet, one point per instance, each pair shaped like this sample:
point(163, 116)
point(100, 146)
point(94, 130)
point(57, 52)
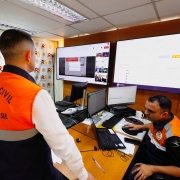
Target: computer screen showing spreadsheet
point(96, 101)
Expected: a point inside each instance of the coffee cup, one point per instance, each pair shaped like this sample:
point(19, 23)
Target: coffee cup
point(139, 114)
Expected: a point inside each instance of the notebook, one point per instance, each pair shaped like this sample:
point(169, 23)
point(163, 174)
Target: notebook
point(107, 138)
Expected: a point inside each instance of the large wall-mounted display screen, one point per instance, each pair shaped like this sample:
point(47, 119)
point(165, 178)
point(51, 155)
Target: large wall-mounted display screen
point(84, 63)
point(151, 63)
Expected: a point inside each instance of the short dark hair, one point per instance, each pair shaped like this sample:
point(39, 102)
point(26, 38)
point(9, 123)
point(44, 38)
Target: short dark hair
point(11, 39)
point(164, 102)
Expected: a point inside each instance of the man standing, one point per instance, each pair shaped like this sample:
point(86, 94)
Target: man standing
point(29, 123)
point(161, 152)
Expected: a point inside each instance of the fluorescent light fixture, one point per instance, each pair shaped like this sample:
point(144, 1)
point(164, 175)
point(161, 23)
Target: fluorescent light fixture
point(58, 9)
point(5, 27)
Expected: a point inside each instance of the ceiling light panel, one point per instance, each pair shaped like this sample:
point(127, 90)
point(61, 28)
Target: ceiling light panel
point(58, 9)
point(5, 27)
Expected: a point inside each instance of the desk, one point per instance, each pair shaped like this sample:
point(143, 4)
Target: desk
point(73, 119)
point(84, 129)
point(114, 167)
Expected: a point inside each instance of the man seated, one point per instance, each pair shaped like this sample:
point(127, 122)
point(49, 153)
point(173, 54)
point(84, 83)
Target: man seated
point(161, 152)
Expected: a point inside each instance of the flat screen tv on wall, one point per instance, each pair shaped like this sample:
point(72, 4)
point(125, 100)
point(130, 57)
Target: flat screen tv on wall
point(151, 63)
point(84, 63)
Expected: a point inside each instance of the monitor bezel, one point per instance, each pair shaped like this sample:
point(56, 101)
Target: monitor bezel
point(119, 104)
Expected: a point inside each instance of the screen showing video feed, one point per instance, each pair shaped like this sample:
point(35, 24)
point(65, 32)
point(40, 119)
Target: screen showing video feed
point(84, 63)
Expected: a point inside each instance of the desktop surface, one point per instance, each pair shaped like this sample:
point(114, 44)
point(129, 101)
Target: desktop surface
point(114, 166)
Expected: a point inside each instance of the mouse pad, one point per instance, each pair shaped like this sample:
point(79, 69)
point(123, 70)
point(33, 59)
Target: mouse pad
point(136, 121)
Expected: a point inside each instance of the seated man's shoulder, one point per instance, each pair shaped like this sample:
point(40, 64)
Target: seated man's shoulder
point(173, 141)
point(173, 149)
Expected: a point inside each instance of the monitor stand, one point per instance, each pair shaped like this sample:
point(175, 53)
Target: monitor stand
point(82, 107)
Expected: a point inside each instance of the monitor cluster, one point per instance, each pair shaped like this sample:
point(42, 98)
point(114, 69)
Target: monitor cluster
point(149, 63)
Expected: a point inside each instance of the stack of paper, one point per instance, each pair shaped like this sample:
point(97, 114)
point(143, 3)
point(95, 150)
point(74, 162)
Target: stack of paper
point(118, 128)
point(129, 147)
point(87, 121)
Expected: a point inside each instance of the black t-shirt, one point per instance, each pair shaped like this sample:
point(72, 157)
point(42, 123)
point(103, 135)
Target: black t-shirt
point(173, 150)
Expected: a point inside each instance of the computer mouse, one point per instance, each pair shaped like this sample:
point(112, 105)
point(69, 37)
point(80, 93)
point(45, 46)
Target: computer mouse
point(130, 132)
point(78, 140)
point(69, 111)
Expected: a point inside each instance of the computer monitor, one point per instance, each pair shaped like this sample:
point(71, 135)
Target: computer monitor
point(121, 95)
point(82, 63)
point(150, 63)
point(78, 91)
point(96, 101)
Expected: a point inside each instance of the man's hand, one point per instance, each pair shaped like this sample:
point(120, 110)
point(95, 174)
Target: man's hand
point(143, 171)
point(137, 127)
point(90, 177)
point(133, 126)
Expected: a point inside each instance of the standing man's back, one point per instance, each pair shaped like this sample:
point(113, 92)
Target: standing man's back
point(29, 123)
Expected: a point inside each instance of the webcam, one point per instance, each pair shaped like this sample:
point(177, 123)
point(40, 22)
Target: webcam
point(78, 140)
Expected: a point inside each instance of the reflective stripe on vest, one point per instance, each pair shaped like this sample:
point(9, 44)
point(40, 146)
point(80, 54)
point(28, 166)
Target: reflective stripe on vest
point(17, 135)
point(153, 141)
point(158, 138)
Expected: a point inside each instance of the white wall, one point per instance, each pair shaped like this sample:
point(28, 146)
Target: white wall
point(58, 84)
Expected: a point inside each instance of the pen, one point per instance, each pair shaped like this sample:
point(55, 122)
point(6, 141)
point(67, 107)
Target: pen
point(98, 165)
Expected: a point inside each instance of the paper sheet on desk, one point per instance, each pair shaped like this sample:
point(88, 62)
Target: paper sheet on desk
point(105, 116)
point(55, 158)
point(129, 147)
point(98, 120)
point(139, 136)
point(87, 121)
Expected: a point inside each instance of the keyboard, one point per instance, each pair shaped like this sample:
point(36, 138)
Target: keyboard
point(103, 138)
point(111, 122)
point(63, 103)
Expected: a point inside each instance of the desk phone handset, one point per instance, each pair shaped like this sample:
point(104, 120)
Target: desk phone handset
point(132, 141)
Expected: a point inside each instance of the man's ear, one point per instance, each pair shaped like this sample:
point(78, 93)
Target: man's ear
point(28, 55)
point(165, 114)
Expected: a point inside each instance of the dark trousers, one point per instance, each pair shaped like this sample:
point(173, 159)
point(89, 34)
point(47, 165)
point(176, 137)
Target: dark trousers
point(142, 158)
point(59, 175)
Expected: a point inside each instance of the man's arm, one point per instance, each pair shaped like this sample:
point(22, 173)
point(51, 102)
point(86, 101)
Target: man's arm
point(169, 170)
point(48, 123)
point(144, 171)
point(173, 155)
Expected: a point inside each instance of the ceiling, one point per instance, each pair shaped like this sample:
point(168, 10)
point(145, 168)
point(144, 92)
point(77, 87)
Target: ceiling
point(103, 15)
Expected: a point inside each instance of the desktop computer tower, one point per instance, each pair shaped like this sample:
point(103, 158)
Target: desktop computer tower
point(124, 112)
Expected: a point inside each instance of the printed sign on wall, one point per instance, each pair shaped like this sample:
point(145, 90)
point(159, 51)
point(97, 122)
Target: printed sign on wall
point(43, 72)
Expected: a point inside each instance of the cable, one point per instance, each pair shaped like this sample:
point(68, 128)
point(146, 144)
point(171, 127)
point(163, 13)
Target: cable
point(123, 156)
point(109, 153)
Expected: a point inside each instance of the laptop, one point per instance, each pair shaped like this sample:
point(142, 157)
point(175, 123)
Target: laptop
point(107, 138)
